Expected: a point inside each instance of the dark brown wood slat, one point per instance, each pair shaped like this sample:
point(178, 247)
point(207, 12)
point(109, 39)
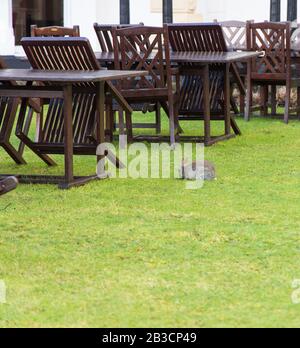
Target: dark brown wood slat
point(142, 48)
point(274, 67)
point(54, 31)
point(8, 112)
point(64, 57)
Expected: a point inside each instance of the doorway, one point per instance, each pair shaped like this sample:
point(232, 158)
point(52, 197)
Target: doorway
point(39, 12)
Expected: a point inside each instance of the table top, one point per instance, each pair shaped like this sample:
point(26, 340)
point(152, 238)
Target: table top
point(194, 57)
point(67, 76)
point(212, 57)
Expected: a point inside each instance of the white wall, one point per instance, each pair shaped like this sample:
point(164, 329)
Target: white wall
point(86, 12)
point(7, 39)
point(140, 11)
point(259, 10)
point(108, 11)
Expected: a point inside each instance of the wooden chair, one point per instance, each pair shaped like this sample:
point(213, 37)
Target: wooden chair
point(234, 34)
point(104, 34)
point(236, 40)
point(204, 38)
point(68, 54)
point(105, 37)
point(52, 31)
point(274, 68)
point(132, 45)
point(8, 113)
point(55, 31)
point(8, 184)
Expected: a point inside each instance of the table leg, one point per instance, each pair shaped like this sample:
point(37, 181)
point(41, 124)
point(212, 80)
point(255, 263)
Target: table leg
point(227, 94)
point(100, 97)
point(249, 92)
point(206, 105)
point(68, 135)
point(100, 107)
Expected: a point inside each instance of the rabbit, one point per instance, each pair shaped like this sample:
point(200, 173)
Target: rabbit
point(195, 171)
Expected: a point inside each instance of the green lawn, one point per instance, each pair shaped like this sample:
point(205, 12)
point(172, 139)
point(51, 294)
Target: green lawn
point(149, 253)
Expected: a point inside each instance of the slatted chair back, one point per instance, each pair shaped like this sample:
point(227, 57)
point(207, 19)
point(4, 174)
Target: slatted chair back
point(55, 31)
point(195, 38)
point(68, 54)
point(60, 53)
point(274, 40)
point(143, 48)
point(235, 34)
point(104, 34)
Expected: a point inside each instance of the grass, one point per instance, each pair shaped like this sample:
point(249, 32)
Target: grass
point(148, 253)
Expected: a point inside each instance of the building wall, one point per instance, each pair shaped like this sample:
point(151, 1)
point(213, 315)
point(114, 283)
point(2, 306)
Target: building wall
point(86, 12)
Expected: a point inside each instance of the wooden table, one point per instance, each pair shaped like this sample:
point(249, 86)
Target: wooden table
point(60, 84)
point(203, 60)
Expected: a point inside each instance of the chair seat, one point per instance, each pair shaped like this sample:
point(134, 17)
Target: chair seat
point(144, 108)
point(59, 148)
point(145, 95)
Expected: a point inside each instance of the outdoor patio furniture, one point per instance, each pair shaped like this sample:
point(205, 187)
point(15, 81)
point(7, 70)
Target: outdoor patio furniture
point(54, 31)
point(104, 34)
point(234, 34)
point(203, 61)
point(8, 112)
point(105, 37)
point(274, 67)
point(147, 48)
point(76, 125)
point(66, 54)
point(8, 184)
point(201, 38)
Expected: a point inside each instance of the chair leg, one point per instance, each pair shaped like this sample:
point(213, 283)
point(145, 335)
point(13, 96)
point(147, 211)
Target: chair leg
point(242, 104)
point(114, 121)
point(48, 160)
point(13, 153)
point(249, 100)
point(109, 122)
point(26, 130)
point(158, 118)
point(39, 127)
point(121, 122)
point(235, 126)
point(264, 101)
point(287, 104)
point(273, 100)
point(122, 132)
point(172, 120)
point(129, 126)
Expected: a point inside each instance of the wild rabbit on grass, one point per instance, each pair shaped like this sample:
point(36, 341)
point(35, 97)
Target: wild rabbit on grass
point(198, 170)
